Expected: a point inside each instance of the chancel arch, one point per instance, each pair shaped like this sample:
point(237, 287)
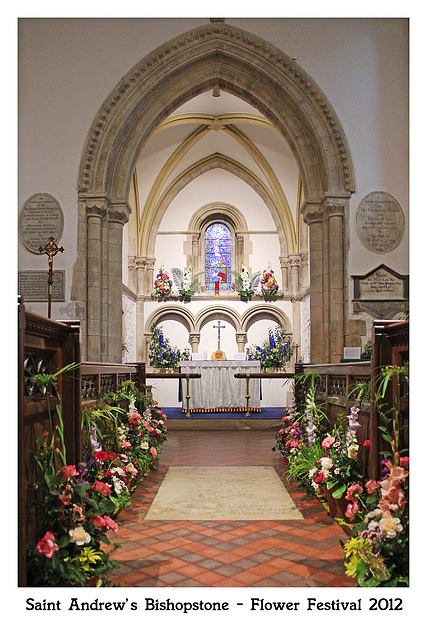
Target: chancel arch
point(229, 59)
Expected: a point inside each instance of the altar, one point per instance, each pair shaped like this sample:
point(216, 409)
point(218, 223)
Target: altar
point(218, 389)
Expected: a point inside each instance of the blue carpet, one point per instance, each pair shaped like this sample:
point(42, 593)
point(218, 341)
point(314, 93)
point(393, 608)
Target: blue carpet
point(266, 413)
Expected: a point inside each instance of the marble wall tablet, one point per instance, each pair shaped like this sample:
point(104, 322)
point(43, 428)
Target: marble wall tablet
point(380, 222)
point(40, 218)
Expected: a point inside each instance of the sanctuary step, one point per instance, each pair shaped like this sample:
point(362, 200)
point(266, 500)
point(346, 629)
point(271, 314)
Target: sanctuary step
point(266, 418)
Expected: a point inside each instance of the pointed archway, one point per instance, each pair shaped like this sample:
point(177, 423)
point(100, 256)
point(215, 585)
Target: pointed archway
point(215, 55)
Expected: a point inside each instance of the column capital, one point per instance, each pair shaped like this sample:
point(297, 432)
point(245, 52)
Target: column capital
point(335, 204)
point(119, 212)
point(312, 212)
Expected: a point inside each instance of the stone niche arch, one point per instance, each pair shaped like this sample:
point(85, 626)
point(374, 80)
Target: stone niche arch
point(238, 62)
point(170, 312)
point(261, 312)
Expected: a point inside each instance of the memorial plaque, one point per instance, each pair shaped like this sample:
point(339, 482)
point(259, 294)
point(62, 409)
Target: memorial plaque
point(33, 286)
point(382, 293)
point(380, 222)
point(41, 217)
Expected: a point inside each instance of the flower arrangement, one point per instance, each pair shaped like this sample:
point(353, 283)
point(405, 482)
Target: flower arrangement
point(161, 354)
point(246, 284)
point(377, 552)
point(185, 282)
point(276, 350)
point(269, 286)
point(78, 503)
point(327, 461)
point(162, 283)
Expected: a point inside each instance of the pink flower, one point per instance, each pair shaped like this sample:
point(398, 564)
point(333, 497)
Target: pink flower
point(69, 471)
point(398, 474)
point(77, 509)
point(355, 488)
point(371, 485)
point(404, 462)
point(47, 545)
point(153, 451)
point(125, 445)
point(328, 442)
point(135, 416)
point(98, 521)
point(319, 478)
point(352, 509)
point(110, 524)
point(101, 487)
point(65, 496)
point(366, 444)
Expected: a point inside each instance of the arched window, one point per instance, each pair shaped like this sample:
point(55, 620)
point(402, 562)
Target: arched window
point(218, 264)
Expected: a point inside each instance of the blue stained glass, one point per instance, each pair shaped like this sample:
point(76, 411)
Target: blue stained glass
point(218, 256)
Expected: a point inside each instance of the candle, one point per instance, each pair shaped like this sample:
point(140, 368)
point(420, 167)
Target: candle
point(216, 287)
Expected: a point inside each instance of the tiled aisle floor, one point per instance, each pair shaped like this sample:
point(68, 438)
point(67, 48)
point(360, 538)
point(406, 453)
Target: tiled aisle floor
point(298, 553)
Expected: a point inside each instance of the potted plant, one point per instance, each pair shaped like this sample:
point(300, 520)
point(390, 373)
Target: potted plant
point(185, 282)
point(246, 284)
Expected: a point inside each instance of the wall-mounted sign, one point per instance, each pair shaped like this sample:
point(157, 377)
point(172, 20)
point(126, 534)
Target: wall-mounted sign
point(40, 218)
point(33, 286)
point(380, 222)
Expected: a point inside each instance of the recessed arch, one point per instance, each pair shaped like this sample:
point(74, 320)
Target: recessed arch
point(216, 55)
point(263, 311)
point(171, 312)
point(215, 312)
point(198, 168)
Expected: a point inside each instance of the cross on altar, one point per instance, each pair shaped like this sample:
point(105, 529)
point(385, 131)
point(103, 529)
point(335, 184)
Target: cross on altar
point(219, 327)
point(218, 354)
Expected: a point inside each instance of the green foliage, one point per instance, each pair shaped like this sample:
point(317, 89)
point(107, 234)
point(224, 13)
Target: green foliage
point(162, 355)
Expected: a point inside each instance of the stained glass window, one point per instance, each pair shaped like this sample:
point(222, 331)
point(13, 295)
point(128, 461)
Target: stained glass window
point(218, 256)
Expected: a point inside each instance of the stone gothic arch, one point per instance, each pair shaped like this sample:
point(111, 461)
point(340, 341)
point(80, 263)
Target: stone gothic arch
point(215, 55)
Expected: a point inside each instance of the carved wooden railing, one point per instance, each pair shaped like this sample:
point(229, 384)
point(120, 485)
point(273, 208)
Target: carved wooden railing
point(334, 386)
point(97, 379)
point(47, 346)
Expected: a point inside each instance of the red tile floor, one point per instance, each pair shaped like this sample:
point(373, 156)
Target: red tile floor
point(293, 553)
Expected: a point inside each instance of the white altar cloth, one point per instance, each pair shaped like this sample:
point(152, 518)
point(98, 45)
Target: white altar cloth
point(218, 389)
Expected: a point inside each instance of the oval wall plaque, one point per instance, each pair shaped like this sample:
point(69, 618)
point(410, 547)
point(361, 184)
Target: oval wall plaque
point(40, 218)
point(380, 222)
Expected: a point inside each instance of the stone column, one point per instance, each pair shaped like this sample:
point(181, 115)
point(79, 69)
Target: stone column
point(132, 274)
point(335, 210)
point(118, 215)
point(313, 216)
point(241, 339)
point(284, 264)
point(194, 339)
point(294, 279)
point(141, 274)
point(240, 251)
point(95, 211)
point(150, 275)
point(148, 337)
